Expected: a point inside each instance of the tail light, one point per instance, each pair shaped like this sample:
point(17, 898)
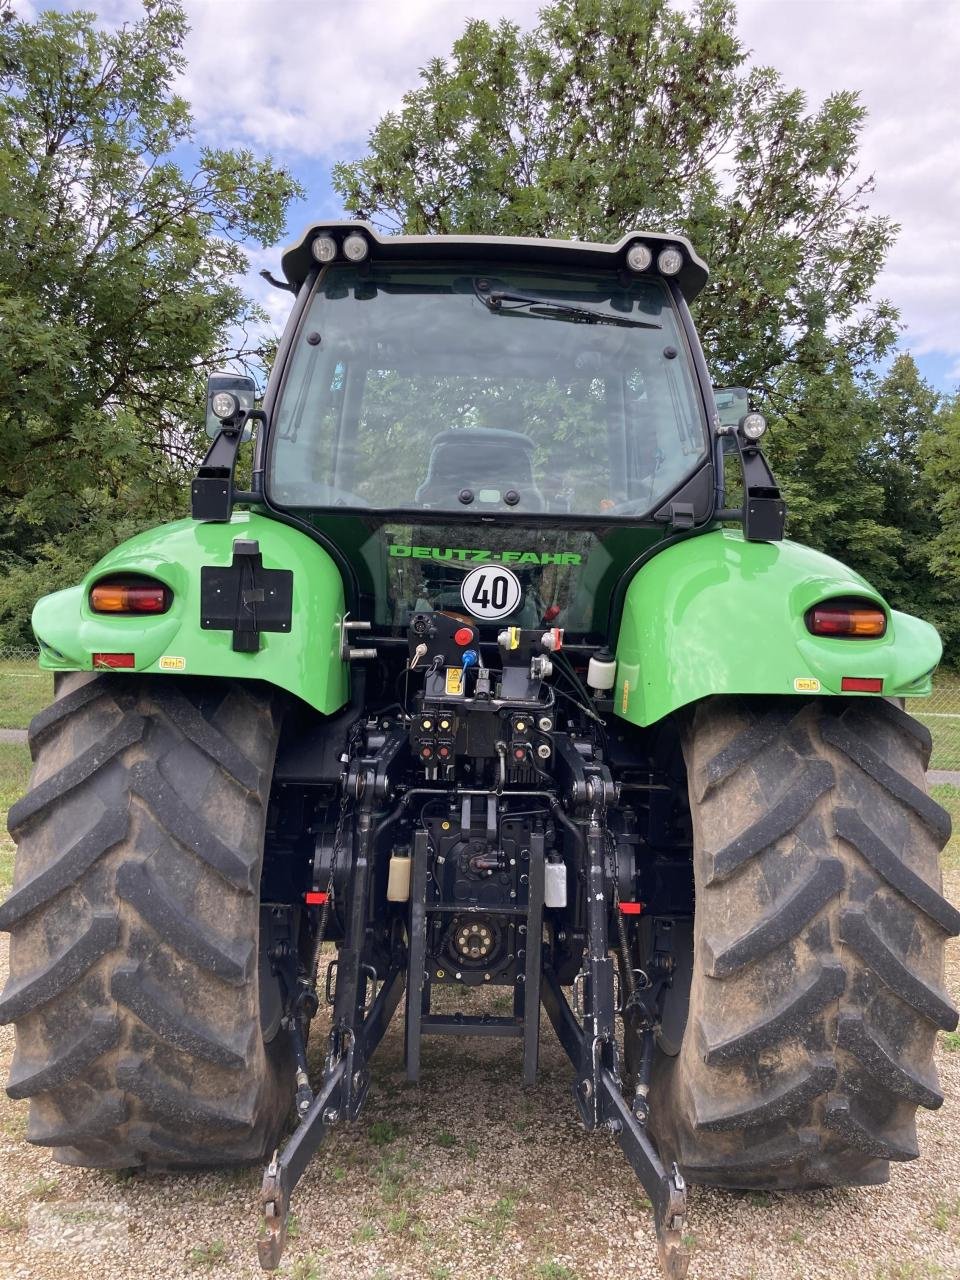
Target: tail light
point(130, 596)
point(847, 619)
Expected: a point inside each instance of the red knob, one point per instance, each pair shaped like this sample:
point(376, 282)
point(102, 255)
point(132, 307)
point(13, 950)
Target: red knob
point(462, 636)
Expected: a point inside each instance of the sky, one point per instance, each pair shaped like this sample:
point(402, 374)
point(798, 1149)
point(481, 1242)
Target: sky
point(308, 79)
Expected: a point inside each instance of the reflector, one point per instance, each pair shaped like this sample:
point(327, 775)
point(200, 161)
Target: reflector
point(112, 661)
point(861, 684)
point(631, 908)
point(313, 899)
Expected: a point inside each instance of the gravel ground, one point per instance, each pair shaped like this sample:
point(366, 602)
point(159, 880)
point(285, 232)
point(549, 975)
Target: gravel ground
point(466, 1175)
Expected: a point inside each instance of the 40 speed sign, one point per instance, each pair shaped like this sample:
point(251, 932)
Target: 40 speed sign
point(490, 591)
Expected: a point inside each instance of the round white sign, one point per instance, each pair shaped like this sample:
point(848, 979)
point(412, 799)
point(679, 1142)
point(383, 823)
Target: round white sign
point(490, 591)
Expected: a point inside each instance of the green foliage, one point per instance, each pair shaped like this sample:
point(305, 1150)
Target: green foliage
point(616, 114)
point(117, 287)
point(613, 114)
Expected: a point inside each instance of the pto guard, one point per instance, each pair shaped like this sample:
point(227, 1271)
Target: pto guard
point(715, 614)
point(304, 660)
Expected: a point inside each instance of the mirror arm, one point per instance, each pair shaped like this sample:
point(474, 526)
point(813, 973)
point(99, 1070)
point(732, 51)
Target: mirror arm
point(212, 494)
point(764, 512)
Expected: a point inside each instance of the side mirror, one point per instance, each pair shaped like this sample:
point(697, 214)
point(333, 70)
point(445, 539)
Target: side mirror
point(732, 404)
point(738, 429)
point(241, 388)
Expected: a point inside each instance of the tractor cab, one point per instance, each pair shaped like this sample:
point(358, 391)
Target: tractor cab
point(538, 408)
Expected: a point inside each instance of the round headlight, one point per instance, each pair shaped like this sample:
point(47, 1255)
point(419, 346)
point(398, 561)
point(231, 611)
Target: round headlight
point(355, 247)
point(669, 261)
point(753, 425)
point(324, 248)
point(639, 257)
point(225, 405)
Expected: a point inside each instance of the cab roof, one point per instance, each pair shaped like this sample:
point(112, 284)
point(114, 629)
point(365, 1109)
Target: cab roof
point(298, 261)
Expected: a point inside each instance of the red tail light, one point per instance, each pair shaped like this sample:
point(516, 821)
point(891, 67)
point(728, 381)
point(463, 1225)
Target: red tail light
point(118, 596)
point(847, 619)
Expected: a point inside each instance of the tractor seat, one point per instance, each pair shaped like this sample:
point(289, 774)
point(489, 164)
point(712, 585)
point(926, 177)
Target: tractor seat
point(486, 460)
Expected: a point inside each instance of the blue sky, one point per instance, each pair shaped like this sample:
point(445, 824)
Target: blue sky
point(308, 79)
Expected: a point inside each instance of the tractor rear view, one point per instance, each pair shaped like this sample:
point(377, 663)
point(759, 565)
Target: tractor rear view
point(489, 685)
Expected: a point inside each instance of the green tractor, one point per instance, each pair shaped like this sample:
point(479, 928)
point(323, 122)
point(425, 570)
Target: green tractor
point(490, 684)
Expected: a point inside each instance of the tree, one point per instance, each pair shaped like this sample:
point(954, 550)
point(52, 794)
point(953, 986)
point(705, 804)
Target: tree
point(613, 114)
point(617, 114)
point(118, 292)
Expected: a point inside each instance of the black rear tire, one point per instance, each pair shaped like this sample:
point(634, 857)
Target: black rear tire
point(134, 918)
point(819, 936)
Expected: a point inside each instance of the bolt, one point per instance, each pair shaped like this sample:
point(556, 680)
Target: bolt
point(486, 977)
point(458, 976)
point(331, 1115)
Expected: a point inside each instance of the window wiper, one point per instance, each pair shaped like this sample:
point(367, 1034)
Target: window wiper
point(495, 299)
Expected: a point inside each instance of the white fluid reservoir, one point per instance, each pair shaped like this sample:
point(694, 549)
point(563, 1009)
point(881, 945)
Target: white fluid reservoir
point(602, 672)
point(398, 880)
point(555, 884)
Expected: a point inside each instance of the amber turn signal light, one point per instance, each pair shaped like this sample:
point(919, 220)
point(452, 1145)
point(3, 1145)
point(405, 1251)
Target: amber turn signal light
point(847, 619)
point(126, 597)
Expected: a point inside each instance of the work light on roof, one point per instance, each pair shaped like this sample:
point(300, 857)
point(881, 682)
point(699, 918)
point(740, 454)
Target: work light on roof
point(639, 256)
point(356, 247)
point(324, 248)
point(669, 260)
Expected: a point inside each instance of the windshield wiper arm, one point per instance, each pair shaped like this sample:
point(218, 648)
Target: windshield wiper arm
point(586, 315)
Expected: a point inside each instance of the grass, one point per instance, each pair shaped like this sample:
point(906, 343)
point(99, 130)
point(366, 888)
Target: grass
point(24, 690)
point(941, 714)
point(309, 1267)
point(208, 1255)
point(951, 1041)
point(945, 1212)
point(554, 1271)
point(14, 775)
point(949, 797)
point(44, 1189)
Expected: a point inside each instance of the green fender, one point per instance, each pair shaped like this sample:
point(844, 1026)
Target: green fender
point(717, 614)
point(306, 660)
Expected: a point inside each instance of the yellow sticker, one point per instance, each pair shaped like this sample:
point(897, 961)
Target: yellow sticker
point(169, 663)
point(806, 684)
point(454, 682)
point(626, 697)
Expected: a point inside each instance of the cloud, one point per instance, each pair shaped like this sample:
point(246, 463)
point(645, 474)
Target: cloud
point(903, 59)
point(308, 81)
point(309, 78)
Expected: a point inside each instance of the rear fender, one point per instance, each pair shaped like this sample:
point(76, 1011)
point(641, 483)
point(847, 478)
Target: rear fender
point(716, 614)
point(305, 660)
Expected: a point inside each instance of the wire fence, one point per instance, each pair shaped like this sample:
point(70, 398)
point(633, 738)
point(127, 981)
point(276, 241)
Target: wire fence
point(25, 689)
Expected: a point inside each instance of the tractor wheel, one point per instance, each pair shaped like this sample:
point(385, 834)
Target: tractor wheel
point(818, 946)
point(134, 968)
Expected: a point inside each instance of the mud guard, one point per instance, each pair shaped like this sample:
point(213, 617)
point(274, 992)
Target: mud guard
point(716, 614)
point(250, 599)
